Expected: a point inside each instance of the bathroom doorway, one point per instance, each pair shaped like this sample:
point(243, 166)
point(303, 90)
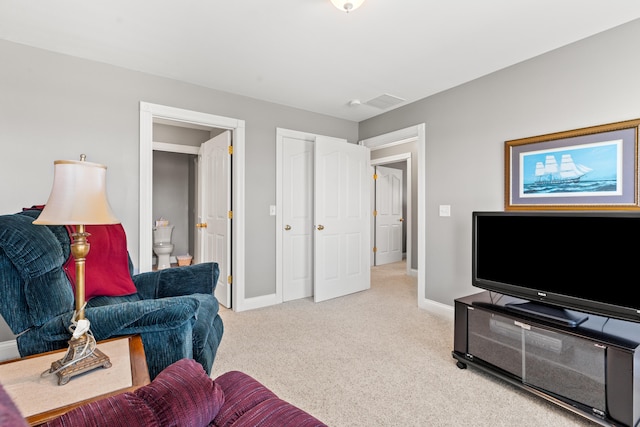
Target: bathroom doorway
point(174, 199)
point(157, 124)
point(180, 194)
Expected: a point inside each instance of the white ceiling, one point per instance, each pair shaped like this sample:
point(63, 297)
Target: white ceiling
point(306, 53)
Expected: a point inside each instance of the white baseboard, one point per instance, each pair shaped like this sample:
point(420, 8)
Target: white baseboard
point(258, 302)
point(9, 350)
point(438, 308)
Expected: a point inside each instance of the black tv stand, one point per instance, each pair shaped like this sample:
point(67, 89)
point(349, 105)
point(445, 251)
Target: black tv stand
point(557, 315)
point(589, 365)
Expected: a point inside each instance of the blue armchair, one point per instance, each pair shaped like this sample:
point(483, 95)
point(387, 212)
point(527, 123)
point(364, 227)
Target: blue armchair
point(174, 310)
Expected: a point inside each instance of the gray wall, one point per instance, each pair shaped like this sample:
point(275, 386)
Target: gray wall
point(55, 106)
point(592, 82)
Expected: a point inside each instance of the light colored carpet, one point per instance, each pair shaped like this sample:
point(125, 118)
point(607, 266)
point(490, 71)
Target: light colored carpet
point(374, 359)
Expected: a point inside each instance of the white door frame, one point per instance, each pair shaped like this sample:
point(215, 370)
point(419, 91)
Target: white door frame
point(413, 133)
point(149, 112)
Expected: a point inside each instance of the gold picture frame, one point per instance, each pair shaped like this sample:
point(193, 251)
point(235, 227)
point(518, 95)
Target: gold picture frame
point(592, 168)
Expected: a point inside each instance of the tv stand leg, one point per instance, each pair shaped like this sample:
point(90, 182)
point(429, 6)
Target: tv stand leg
point(461, 365)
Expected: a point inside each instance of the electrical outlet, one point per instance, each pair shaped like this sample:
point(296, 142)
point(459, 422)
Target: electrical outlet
point(445, 210)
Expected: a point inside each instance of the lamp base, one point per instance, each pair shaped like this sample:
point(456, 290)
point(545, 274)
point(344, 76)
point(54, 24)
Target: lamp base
point(78, 360)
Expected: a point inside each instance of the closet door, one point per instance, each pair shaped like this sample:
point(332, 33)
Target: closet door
point(341, 217)
point(297, 213)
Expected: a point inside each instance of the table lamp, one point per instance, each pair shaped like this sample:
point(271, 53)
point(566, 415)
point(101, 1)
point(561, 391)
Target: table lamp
point(78, 198)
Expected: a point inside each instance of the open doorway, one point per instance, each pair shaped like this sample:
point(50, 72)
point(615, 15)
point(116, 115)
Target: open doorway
point(174, 200)
point(408, 145)
point(153, 116)
point(405, 156)
point(191, 189)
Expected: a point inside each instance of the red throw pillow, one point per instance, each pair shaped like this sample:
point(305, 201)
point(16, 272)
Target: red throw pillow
point(107, 264)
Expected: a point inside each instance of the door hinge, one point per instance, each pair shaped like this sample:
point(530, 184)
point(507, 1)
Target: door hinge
point(375, 213)
point(230, 149)
point(375, 249)
point(229, 279)
point(230, 214)
point(375, 176)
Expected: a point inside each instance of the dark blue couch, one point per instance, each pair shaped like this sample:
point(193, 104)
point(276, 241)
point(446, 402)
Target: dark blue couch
point(174, 310)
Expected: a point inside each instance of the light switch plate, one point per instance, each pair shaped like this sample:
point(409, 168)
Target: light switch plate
point(272, 210)
point(445, 210)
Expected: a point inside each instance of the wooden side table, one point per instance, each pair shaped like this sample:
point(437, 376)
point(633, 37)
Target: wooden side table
point(41, 399)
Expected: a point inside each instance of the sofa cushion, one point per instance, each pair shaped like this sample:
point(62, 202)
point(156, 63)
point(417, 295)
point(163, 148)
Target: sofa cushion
point(107, 264)
point(248, 403)
point(126, 410)
point(182, 395)
point(242, 392)
point(276, 412)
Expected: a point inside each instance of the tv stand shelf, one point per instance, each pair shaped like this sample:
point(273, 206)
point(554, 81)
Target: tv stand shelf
point(590, 367)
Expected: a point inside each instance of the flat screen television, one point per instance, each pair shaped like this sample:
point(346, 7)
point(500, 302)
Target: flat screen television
point(561, 262)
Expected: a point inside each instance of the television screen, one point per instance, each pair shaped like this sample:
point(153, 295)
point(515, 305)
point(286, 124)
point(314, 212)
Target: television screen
point(585, 261)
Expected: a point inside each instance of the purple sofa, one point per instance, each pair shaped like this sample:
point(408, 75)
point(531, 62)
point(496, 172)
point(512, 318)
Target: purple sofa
point(182, 395)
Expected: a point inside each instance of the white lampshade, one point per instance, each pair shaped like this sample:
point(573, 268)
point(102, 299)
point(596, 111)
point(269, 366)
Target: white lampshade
point(78, 195)
point(347, 5)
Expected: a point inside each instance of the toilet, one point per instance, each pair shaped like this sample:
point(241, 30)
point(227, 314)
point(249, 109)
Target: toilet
point(162, 245)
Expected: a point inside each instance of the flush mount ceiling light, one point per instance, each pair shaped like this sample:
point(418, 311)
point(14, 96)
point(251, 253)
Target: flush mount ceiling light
point(346, 5)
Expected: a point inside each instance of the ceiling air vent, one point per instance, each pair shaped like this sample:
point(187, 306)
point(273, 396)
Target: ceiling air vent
point(384, 101)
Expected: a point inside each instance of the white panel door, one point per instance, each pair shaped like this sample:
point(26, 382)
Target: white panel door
point(389, 215)
point(342, 218)
point(297, 218)
point(214, 229)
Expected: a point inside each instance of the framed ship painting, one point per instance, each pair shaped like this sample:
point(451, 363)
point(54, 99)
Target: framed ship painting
point(594, 168)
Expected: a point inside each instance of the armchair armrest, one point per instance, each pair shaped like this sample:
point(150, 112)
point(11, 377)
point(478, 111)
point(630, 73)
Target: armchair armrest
point(107, 321)
point(142, 316)
point(193, 279)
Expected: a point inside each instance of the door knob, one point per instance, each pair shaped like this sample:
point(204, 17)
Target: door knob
point(201, 225)
point(321, 227)
point(401, 219)
point(287, 227)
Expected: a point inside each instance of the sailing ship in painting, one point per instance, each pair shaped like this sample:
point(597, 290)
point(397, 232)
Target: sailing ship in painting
point(588, 169)
point(567, 173)
point(565, 178)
